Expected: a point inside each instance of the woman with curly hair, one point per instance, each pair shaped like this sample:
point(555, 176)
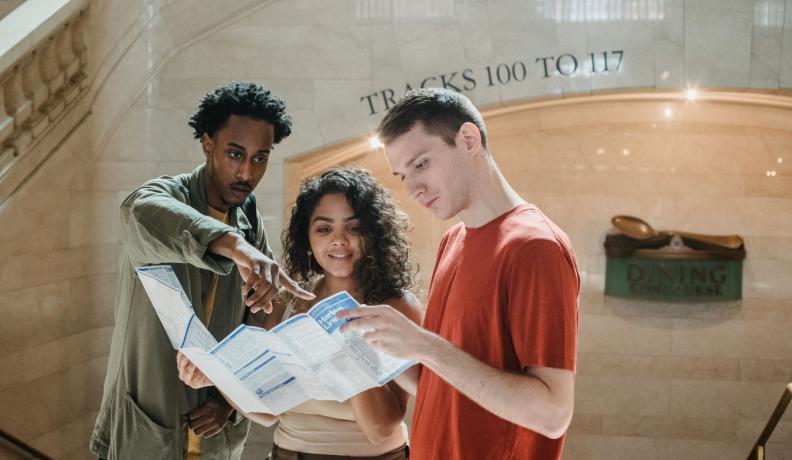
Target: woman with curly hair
point(346, 234)
point(370, 223)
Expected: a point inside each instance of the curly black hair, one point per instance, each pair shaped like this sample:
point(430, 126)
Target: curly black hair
point(386, 271)
point(240, 98)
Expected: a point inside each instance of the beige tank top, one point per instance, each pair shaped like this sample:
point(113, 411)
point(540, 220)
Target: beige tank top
point(328, 427)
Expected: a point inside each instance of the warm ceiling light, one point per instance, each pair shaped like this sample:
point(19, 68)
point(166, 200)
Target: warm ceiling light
point(691, 94)
point(780, 160)
point(375, 143)
point(625, 152)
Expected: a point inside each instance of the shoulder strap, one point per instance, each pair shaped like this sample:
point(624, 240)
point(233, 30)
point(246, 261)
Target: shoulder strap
point(249, 208)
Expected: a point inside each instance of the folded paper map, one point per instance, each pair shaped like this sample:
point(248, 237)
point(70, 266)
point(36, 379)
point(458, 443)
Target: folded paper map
point(305, 357)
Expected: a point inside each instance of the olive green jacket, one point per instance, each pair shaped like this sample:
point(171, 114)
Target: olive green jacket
point(144, 404)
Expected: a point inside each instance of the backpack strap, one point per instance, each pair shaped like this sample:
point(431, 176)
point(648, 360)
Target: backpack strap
point(249, 208)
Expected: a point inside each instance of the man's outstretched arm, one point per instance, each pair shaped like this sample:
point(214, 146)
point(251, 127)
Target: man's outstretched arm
point(160, 228)
point(540, 399)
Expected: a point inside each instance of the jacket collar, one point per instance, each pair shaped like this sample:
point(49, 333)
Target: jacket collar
point(198, 200)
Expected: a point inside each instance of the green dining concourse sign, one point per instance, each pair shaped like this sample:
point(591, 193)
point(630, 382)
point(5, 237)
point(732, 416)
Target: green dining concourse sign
point(671, 265)
point(673, 279)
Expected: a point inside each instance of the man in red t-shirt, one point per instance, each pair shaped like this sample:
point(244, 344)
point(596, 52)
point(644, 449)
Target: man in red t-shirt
point(498, 343)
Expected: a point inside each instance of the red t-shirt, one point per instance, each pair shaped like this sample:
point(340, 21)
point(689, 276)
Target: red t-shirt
point(507, 293)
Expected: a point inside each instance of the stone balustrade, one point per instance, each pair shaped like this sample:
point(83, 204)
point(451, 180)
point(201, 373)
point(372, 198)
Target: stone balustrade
point(42, 75)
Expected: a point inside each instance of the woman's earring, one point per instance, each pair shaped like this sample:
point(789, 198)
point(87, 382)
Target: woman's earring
point(310, 258)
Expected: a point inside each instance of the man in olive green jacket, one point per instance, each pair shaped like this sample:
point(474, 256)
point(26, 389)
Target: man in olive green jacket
point(195, 223)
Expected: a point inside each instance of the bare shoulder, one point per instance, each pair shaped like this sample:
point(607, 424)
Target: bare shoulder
point(408, 305)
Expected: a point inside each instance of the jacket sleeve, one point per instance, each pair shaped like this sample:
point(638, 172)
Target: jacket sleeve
point(158, 226)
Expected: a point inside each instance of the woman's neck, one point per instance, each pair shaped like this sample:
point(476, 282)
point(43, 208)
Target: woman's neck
point(330, 285)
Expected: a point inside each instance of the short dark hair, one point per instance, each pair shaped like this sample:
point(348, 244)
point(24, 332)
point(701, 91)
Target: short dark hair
point(241, 98)
point(441, 112)
point(386, 270)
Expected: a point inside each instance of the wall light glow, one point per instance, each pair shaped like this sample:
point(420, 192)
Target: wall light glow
point(375, 143)
point(668, 112)
point(691, 94)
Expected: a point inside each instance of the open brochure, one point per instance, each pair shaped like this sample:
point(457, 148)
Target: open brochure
point(305, 357)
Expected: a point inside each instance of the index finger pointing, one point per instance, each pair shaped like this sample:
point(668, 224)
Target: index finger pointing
point(359, 312)
point(276, 278)
point(292, 286)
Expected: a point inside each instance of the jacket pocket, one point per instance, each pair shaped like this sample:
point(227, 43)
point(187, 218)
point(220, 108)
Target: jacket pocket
point(137, 436)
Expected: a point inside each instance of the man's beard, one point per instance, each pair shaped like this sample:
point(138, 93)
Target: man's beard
point(240, 187)
point(221, 189)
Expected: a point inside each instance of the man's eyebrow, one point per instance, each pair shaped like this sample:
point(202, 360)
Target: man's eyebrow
point(234, 144)
point(240, 147)
point(409, 163)
point(412, 160)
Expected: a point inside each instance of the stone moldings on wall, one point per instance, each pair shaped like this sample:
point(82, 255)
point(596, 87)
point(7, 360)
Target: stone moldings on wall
point(41, 77)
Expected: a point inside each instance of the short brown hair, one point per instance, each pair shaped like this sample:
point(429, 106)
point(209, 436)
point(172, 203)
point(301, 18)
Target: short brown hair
point(440, 111)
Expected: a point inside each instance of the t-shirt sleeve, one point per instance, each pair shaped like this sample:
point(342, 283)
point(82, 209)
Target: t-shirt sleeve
point(542, 304)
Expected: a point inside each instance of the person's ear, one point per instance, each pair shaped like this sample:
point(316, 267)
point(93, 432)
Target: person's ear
point(207, 144)
point(470, 138)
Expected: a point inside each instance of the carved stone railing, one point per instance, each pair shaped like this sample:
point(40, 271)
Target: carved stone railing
point(42, 74)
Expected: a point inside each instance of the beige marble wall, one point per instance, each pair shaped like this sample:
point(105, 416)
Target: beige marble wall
point(665, 380)
point(152, 60)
